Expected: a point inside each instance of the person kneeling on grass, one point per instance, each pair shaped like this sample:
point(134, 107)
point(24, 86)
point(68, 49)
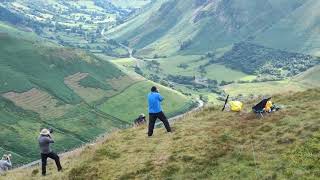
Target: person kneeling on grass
point(45, 140)
point(155, 110)
point(140, 120)
point(5, 163)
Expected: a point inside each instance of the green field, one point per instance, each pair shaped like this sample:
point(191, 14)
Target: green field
point(265, 88)
point(133, 101)
point(217, 72)
point(170, 65)
point(222, 73)
point(311, 77)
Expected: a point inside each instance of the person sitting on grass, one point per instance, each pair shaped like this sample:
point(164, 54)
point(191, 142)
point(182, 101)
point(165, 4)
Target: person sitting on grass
point(140, 120)
point(5, 163)
point(271, 107)
point(155, 111)
point(45, 140)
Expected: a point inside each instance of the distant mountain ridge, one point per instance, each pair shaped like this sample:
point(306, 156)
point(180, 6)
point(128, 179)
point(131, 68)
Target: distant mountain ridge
point(214, 24)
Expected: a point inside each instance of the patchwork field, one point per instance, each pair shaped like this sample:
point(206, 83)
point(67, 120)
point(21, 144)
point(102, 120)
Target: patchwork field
point(38, 101)
point(87, 93)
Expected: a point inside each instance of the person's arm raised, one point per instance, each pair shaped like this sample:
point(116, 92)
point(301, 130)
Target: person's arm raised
point(160, 98)
point(50, 140)
point(8, 164)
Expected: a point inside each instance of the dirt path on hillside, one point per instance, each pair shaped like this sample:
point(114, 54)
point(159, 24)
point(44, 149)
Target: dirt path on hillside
point(139, 62)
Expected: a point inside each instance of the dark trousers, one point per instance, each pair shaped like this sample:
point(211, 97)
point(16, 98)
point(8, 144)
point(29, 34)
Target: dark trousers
point(53, 156)
point(152, 120)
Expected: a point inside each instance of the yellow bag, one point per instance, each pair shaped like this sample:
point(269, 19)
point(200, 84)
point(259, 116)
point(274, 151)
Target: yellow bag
point(236, 106)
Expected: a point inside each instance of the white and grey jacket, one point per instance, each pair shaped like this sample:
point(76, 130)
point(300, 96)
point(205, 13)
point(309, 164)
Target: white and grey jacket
point(5, 165)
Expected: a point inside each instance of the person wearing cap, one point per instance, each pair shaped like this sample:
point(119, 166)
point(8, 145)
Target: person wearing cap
point(5, 163)
point(45, 140)
point(140, 120)
point(155, 110)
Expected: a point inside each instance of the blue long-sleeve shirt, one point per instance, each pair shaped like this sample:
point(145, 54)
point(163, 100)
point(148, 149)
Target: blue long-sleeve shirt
point(154, 102)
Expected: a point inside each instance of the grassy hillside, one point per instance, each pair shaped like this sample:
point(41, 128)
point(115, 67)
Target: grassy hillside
point(196, 27)
point(133, 101)
point(311, 77)
point(260, 88)
point(297, 32)
point(224, 145)
point(25, 65)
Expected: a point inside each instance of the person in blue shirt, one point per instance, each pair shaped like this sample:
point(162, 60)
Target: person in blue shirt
point(155, 110)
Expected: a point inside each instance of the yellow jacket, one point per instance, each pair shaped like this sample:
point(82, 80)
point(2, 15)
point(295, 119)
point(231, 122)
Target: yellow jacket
point(268, 106)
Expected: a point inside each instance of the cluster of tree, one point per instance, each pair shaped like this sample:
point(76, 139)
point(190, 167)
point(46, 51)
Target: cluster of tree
point(256, 59)
point(157, 56)
point(185, 44)
point(6, 15)
point(187, 80)
point(153, 66)
point(183, 65)
point(202, 69)
point(138, 71)
point(110, 8)
point(209, 55)
point(223, 83)
point(212, 83)
point(154, 78)
point(110, 51)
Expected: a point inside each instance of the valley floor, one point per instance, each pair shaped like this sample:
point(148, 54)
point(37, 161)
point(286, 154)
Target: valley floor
point(208, 144)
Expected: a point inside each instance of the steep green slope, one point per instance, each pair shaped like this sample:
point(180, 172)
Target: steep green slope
point(25, 65)
point(132, 102)
point(311, 77)
point(209, 144)
point(196, 27)
point(298, 31)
